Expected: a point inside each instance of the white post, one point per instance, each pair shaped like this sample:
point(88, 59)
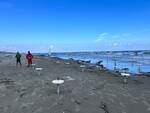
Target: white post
point(139, 68)
point(115, 64)
point(58, 89)
point(39, 70)
point(82, 69)
point(58, 82)
point(50, 50)
point(107, 61)
point(125, 79)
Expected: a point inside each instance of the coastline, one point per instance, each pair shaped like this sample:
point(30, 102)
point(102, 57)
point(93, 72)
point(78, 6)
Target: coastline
point(135, 63)
point(88, 91)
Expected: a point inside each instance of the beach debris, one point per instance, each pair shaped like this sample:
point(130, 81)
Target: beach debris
point(33, 66)
point(125, 76)
point(83, 62)
point(125, 70)
point(79, 61)
point(68, 78)
point(67, 63)
point(83, 67)
point(101, 68)
point(99, 62)
point(104, 107)
point(91, 67)
point(71, 59)
point(39, 70)
point(89, 61)
point(98, 65)
point(58, 82)
point(57, 62)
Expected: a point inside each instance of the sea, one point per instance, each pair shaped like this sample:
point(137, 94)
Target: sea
point(135, 61)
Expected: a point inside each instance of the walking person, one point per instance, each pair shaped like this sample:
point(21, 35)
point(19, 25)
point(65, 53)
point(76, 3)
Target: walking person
point(29, 57)
point(18, 58)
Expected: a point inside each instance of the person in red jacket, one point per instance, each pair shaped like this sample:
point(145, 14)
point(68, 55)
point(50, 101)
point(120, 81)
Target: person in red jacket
point(29, 57)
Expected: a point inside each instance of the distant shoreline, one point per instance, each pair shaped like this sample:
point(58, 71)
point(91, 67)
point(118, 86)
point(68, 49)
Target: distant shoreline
point(114, 51)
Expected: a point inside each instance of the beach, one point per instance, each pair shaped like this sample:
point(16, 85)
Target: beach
point(24, 90)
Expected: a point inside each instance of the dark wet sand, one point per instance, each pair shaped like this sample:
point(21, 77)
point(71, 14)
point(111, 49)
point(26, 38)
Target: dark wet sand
point(22, 90)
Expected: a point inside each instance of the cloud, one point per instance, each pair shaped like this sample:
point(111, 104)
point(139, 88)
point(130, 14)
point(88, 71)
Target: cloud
point(122, 35)
point(101, 37)
point(115, 36)
point(104, 34)
point(115, 44)
point(8, 48)
point(126, 34)
point(51, 46)
point(118, 41)
point(108, 36)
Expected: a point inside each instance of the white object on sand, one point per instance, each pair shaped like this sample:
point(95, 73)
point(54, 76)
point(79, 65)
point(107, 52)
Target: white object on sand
point(7, 55)
point(67, 63)
point(39, 70)
point(33, 66)
point(68, 78)
point(50, 50)
point(125, 75)
point(58, 83)
point(83, 67)
point(57, 62)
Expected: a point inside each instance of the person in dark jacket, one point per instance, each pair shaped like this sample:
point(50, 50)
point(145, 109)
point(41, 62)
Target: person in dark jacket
point(29, 57)
point(18, 58)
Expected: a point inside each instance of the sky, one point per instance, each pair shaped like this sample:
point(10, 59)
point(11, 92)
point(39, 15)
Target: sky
point(74, 25)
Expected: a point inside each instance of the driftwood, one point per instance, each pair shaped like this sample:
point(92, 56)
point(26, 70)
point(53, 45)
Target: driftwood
point(99, 62)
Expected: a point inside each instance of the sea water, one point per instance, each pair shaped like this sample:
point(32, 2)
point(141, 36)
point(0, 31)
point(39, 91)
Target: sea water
point(135, 63)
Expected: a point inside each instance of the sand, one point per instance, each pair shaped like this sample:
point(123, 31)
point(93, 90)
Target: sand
point(24, 90)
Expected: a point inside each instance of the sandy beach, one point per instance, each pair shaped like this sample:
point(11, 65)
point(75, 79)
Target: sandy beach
point(24, 90)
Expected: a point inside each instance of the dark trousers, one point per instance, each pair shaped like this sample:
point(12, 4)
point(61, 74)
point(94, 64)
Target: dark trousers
point(18, 61)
